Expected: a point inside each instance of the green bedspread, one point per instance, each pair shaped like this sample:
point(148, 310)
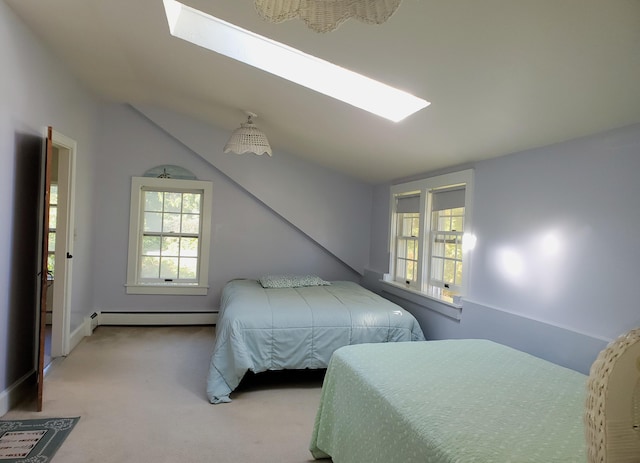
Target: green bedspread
point(448, 401)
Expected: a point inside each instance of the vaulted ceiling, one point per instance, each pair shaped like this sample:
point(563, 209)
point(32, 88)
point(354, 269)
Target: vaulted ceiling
point(501, 75)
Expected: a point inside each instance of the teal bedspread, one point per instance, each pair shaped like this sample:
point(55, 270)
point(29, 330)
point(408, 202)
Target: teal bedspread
point(448, 401)
point(262, 329)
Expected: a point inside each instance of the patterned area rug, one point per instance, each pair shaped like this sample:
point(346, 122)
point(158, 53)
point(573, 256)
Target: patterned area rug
point(33, 441)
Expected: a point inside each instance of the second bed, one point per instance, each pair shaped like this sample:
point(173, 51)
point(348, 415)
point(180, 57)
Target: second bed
point(262, 329)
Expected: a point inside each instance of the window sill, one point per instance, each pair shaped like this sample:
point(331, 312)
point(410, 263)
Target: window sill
point(168, 290)
point(446, 308)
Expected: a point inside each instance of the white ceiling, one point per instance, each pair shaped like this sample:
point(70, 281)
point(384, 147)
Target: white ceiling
point(502, 75)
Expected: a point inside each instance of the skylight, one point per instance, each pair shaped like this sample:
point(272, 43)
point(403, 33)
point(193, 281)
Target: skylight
point(281, 60)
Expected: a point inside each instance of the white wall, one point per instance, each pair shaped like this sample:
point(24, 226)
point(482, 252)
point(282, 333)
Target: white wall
point(557, 250)
point(248, 238)
point(36, 91)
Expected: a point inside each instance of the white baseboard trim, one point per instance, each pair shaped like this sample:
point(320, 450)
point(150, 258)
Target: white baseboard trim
point(157, 318)
point(139, 319)
point(79, 333)
point(10, 397)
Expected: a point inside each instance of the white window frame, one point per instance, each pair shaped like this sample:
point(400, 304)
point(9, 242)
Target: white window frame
point(458, 237)
point(415, 240)
point(138, 186)
point(425, 188)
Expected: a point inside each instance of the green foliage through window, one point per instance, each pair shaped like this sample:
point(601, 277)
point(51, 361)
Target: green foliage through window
point(171, 236)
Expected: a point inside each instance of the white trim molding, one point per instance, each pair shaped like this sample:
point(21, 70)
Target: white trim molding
point(10, 397)
point(421, 299)
point(134, 284)
point(67, 149)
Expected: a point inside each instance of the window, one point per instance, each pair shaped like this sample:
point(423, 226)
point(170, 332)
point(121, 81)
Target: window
point(407, 238)
point(169, 236)
point(408, 234)
point(431, 232)
point(53, 218)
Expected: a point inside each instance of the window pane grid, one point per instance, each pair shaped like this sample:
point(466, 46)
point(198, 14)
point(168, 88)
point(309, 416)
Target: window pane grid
point(406, 270)
point(446, 248)
point(407, 255)
point(171, 236)
point(439, 205)
point(53, 220)
point(446, 259)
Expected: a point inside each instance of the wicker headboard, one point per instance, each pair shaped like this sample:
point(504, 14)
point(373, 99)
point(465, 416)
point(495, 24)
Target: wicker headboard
point(612, 416)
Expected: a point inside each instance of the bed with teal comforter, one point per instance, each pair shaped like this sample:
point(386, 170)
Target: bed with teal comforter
point(262, 329)
point(449, 401)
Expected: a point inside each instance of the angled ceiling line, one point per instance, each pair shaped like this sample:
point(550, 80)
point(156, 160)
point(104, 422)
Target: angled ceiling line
point(227, 39)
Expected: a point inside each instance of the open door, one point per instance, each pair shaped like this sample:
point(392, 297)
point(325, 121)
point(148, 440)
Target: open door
point(44, 275)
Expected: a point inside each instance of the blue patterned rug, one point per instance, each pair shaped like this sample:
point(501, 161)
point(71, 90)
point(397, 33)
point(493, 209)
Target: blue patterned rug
point(33, 441)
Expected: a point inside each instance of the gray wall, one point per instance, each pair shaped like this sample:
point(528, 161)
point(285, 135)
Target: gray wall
point(35, 91)
point(249, 238)
point(332, 209)
point(583, 199)
point(555, 269)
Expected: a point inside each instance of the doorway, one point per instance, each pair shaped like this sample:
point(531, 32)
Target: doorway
point(61, 231)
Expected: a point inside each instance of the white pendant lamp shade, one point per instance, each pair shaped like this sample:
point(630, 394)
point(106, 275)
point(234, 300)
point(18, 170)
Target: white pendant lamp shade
point(248, 139)
point(326, 15)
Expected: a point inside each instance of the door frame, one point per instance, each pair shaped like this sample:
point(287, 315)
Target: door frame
point(61, 316)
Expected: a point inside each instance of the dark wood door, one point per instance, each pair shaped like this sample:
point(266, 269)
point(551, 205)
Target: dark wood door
point(48, 154)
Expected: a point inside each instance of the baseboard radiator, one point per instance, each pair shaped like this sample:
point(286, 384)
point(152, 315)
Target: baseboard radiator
point(152, 318)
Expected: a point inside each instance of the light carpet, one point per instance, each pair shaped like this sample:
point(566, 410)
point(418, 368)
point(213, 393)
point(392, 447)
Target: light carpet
point(141, 392)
